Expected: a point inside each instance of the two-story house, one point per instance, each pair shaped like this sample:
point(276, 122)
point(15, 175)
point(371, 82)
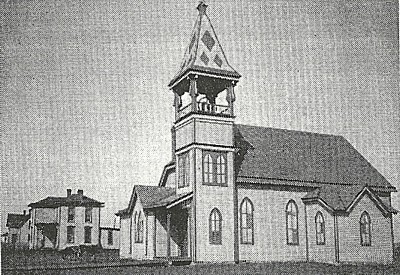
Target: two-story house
point(59, 222)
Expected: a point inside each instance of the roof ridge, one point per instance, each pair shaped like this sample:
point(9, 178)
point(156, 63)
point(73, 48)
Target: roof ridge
point(289, 130)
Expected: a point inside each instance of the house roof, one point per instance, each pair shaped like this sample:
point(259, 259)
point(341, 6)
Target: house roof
point(269, 153)
point(204, 52)
point(72, 200)
point(16, 220)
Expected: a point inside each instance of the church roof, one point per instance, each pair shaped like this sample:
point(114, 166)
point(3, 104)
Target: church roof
point(277, 154)
point(344, 197)
point(204, 53)
point(16, 220)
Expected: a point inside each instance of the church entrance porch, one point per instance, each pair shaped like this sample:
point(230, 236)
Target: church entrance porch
point(178, 232)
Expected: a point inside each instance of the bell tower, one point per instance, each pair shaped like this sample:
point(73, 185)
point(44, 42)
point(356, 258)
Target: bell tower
point(203, 145)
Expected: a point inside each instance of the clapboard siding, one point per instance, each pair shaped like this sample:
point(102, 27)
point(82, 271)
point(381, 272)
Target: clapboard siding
point(270, 242)
point(207, 198)
point(320, 253)
point(350, 248)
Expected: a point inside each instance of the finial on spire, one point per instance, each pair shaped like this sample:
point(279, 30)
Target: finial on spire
point(202, 7)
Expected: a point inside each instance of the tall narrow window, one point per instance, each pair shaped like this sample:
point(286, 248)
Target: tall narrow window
point(246, 222)
point(365, 229)
point(292, 234)
point(181, 166)
point(183, 170)
point(320, 228)
point(186, 170)
point(135, 226)
point(70, 234)
point(215, 227)
point(88, 214)
point(88, 234)
point(110, 237)
point(71, 214)
point(221, 170)
point(139, 228)
point(208, 169)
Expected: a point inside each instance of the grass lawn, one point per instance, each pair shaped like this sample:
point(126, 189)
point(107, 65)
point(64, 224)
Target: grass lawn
point(51, 258)
point(244, 268)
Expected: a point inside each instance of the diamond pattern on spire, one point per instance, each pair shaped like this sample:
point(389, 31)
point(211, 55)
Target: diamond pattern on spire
point(204, 58)
point(208, 40)
point(218, 61)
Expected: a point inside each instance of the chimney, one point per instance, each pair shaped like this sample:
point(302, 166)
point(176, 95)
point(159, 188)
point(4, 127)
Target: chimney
point(24, 212)
point(80, 192)
point(68, 192)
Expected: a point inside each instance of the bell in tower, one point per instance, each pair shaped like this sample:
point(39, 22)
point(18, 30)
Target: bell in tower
point(204, 74)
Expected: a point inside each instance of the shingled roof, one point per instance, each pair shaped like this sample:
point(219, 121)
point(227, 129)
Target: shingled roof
point(152, 197)
point(341, 198)
point(204, 52)
point(72, 200)
point(269, 153)
point(16, 220)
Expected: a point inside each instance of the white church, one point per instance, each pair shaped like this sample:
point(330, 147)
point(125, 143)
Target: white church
point(241, 193)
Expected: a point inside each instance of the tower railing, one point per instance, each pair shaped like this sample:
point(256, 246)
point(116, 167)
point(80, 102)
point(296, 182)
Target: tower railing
point(205, 108)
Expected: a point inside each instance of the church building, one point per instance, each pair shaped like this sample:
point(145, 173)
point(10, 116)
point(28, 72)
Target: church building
point(241, 193)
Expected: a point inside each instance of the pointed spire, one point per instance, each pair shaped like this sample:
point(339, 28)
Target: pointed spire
point(202, 7)
point(204, 53)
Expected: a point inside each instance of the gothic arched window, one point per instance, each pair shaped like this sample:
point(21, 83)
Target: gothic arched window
point(365, 229)
point(292, 232)
point(215, 227)
point(246, 222)
point(320, 228)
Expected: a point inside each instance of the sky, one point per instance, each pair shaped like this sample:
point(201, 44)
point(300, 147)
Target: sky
point(85, 104)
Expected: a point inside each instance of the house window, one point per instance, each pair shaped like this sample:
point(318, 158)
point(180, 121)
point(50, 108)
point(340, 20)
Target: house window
point(292, 234)
point(246, 222)
point(320, 228)
point(88, 214)
point(70, 234)
point(71, 214)
point(215, 227)
point(214, 168)
point(88, 234)
point(365, 229)
point(184, 167)
point(139, 228)
point(110, 237)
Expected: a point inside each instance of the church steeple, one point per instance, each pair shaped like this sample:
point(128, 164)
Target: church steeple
point(205, 69)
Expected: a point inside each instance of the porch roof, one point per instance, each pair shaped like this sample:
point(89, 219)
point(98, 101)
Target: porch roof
point(153, 197)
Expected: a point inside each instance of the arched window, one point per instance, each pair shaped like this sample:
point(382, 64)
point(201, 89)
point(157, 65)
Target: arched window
point(246, 222)
point(215, 227)
point(208, 169)
point(139, 227)
point(320, 228)
point(365, 229)
point(292, 234)
point(221, 170)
